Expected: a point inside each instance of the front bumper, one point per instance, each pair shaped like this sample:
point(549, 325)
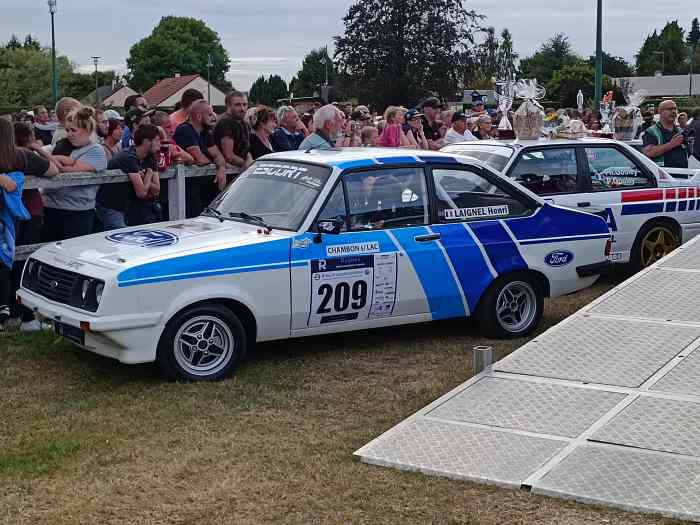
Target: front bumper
point(129, 338)
point(590, 270)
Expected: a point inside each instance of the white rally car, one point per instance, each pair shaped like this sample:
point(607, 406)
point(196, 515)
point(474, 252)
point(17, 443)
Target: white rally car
point(649, 212)
point(314, 242)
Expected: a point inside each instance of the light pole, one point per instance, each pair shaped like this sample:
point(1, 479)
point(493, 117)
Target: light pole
point(598, 56)
point(209, 65)
point(54, 79)
point(663, 60)
point(95, 60)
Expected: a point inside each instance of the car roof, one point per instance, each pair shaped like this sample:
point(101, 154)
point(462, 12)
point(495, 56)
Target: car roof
point(517, 143)
point(346, 158)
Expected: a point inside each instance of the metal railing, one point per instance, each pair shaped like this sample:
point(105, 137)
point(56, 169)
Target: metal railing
point(175, 178)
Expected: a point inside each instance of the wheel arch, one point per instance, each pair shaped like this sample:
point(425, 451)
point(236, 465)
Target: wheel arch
point(670, 221)
point(538, 276)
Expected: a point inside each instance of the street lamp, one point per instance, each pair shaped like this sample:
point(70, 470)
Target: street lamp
point(54, 83)
point(95, 60)
point(209, 66)
point(663, 60)
point(598, 56)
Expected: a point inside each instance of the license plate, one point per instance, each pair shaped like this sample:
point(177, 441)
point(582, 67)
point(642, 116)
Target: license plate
point(71, 333)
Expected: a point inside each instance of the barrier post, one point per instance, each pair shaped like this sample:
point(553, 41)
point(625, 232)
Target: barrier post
point(482, 358)
point(176, 194)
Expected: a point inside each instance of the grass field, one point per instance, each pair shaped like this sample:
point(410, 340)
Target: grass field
point(86, 440)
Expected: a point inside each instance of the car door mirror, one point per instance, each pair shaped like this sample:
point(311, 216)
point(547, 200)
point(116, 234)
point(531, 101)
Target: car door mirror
point(332, 225)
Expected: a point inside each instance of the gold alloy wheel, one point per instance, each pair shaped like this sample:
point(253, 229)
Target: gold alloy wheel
point(657, 243)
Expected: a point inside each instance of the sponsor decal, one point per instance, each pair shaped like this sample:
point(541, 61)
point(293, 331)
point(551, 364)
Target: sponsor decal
point(291, 172)
point(340, 250)
point(559, 258)
point(481, 211)
point(144, 238)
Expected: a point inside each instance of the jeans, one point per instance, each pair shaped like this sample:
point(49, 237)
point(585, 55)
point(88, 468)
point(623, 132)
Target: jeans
point(145, 212)
point(66, 224)
point(111, 219)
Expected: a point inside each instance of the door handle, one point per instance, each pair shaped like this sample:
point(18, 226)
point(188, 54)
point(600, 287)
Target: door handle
point(583, 204)
point(427, 238)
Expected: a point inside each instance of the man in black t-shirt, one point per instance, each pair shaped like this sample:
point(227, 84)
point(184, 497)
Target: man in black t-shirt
point(232, 133)
point(663, 142)
point(431, 127)
point(138, 162)
point(196, 138)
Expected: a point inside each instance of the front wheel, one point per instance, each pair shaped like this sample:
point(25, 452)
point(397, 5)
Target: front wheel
point(653, 242)
point(202, 343)
point(511, 307)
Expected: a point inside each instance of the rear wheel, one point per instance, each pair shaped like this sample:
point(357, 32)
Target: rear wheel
point(202, 343)
point(511, 307)
point(653, 242)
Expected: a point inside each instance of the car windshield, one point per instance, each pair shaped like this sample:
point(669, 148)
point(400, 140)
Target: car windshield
point(276, 193)
point(495, 156)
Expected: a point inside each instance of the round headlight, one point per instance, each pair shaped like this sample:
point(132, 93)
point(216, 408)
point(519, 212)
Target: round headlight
point(86, 285)
point(98, 291)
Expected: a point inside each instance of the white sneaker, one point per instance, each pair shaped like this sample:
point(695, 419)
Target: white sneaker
point(31, 326)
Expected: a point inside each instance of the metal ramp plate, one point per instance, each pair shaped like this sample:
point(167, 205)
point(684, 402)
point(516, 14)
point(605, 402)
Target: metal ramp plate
point(598, 350)
point(631, 479)
point(602, 408)
point(663, 294)
point(461, 452)
point(534, 407)
point(656, 424)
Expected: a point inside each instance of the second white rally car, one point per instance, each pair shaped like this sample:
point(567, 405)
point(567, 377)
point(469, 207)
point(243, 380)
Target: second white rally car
point(649, 212)
point(315, 242)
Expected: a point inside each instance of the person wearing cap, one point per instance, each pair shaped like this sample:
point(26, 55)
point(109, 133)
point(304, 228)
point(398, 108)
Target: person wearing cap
point(431, 125)
point(484, 128)
point(414, 129)
point(458, 132)
point(130, 102)
point(135, 117)
point(478, 108)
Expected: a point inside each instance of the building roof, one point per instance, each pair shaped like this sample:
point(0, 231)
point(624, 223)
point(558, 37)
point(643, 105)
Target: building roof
point(663, 86)
point(166, 88)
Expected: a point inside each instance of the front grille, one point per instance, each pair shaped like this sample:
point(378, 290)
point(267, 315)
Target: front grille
point(61, 286)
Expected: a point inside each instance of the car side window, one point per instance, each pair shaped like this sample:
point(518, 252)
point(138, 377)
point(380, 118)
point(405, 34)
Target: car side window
point(389, 198)
point(463, 195)
point(547, 171)
point(335, 207)
point(611, 169)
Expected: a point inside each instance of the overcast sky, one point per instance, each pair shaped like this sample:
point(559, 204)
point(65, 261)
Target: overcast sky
point(273, 36)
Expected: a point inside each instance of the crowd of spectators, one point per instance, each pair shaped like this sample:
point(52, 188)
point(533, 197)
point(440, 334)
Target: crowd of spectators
point(143, 142)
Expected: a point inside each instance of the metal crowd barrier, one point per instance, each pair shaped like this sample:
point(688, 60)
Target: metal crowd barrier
point(175, 178)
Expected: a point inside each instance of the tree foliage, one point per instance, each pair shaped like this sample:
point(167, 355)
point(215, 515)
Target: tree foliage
point(25, 76)
point(554, 54)
point(177, 45)
point(507, 57)
point(693, 39)
point(312, 74)
point(665, 52)
point(397, 51)
point(566, 82)
point(29, 43)
point(615, 67)
point(268, 90)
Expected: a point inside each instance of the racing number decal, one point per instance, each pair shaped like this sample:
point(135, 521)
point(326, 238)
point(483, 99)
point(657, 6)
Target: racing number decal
point(352, 288)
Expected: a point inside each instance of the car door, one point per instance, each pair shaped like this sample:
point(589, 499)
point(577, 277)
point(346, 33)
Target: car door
point(369, 248)
point(626, 191)
point(471, 208)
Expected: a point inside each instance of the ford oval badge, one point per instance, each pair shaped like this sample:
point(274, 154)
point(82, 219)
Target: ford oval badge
point(559, 258)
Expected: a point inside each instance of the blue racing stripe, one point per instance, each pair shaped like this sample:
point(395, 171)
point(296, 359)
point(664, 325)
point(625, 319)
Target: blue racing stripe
point(362, 163)
point(682, 205)
point(640, 209)
point(434, 274)
point(567, 239)
point(670, 205)
point(691, 205)
point(438, 160)
point(501, 249)
point(397, 160)
point(467, 260)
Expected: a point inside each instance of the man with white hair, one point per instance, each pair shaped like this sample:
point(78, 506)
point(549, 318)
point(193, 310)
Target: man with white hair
point(291, 131)
point(328, 122)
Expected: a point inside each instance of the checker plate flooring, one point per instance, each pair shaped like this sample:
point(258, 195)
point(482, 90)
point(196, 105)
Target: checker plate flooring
point(602, 408)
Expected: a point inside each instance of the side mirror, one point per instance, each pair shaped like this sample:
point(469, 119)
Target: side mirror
point(331, 226)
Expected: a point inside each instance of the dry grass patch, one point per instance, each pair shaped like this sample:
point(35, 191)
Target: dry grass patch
point(86, 440)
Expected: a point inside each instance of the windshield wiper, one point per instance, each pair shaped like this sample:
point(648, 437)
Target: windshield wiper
point(251, 218)
point(213, 212)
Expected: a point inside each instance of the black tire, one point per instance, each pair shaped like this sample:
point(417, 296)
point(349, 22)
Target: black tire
point(645, 254)
point(495, 325)
point(206, 342)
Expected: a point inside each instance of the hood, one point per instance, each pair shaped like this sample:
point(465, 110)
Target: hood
point(140, 244)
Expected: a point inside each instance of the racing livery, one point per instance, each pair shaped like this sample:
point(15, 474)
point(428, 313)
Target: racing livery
point(315, 242)
point(649, 212)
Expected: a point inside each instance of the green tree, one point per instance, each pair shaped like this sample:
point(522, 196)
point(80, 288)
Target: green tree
point(397, 51)
point(613, 66)
point(25, 76)
point(554, 54)
point(565, 83)
point(13, 43)
point(177, 45)
point(693, 39)
point(312, 74)
point(31, 43)
point(268, 90)
point(665, 52)
point(487, 54)
point(507, 57)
